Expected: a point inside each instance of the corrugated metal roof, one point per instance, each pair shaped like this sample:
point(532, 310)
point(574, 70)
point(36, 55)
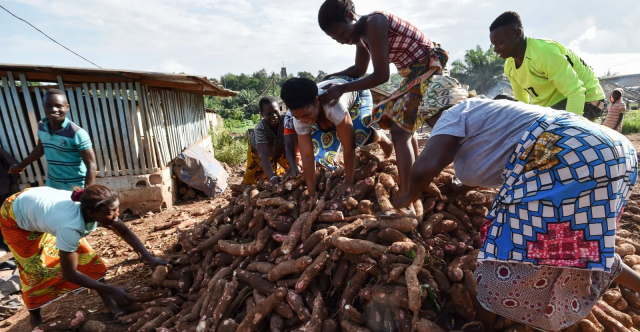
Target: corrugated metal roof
point(178, 82)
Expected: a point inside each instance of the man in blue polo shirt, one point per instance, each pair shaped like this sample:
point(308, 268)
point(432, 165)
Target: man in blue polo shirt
point(71, 161)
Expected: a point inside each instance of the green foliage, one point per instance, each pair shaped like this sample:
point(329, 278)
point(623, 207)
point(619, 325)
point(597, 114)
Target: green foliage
point(631, 123)
point(480, 70)
point(392, 84)
point(227, 148)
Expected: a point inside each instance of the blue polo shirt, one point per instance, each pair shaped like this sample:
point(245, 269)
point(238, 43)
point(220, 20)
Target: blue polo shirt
point(62, 150)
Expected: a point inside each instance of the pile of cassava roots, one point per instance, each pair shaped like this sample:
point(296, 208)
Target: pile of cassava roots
point(275, 259)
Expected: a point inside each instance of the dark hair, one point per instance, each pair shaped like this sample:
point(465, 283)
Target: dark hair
point(335, 11)
point(298, 92)
point(52, 92)
point(507, 18)
point(616, 94)
point(503, 96)
point(94, 197)
point(268, 100)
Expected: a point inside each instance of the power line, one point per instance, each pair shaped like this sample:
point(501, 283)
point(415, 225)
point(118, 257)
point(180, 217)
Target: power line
point(624, 63)
point(14, 15)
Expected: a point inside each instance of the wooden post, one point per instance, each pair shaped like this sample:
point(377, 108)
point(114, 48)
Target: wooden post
point(125, 134)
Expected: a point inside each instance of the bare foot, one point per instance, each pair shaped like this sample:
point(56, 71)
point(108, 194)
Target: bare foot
point(384, 142)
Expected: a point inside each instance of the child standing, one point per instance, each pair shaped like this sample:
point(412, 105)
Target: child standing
point(71, 161)
point(616, 110)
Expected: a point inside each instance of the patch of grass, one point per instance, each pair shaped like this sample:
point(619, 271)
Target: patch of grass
point(631, 123)
point(228, 148)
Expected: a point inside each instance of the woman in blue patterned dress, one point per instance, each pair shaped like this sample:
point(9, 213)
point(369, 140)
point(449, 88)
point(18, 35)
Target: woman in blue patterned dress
point(321, 129)
point(548, 250)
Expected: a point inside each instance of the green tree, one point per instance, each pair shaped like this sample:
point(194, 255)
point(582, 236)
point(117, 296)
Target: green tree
point(480, 70)
point(306, 74)
point(320, 76)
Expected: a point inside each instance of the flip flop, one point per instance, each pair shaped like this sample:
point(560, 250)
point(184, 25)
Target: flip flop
point(118, 315)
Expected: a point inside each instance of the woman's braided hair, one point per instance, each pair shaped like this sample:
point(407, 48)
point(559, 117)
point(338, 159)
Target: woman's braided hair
point(94, 197)
point(335, 11)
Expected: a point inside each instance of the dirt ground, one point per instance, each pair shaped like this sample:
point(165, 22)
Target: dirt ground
point(126, 270)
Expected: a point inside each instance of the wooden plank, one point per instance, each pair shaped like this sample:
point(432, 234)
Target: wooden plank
point(93, 131)
point(107, 128)
point(177, 119)
point(177, 144)
point(124, 128)
point(159, 141)
point(19, 123)
point(33, 123)
point(29, 105)
point(135, 154)
point(144, 132)
point(115, 126)
point(7, 136)
point(72, 116)
point(100, 130)
point(81, 112)
point(166, 127)
point(39, 94)
point(138, 130)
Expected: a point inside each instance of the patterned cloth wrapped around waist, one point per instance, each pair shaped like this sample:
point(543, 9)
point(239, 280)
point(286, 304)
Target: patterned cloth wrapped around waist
point(564, 187)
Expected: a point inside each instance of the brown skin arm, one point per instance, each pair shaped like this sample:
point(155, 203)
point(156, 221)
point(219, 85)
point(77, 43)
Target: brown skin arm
point(132, 240)
point(438, 153)
point(347, 138)
point(263, 153)
point(69, 266)
point(89, 158)
point(359, 69)
point(308, 162)
point(37, 153)
point(290, 142)
point(377, 32)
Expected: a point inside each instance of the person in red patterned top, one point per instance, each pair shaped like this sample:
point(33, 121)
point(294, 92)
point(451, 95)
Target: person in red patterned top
point(383, 38)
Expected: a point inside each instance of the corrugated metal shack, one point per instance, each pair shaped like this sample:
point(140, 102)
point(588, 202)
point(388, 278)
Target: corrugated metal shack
point(138, 121)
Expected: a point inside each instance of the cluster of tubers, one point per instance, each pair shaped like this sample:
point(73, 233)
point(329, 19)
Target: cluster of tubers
point(275, 259)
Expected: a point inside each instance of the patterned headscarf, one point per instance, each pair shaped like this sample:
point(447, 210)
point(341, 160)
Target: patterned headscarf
point(442, 92)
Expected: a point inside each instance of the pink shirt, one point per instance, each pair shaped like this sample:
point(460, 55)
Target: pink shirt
point(613, 115)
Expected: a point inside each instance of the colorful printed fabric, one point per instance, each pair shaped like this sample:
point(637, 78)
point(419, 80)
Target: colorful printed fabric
point(402, 106)
point(547, 298)
point(38, 261)
point(442, 92)
point(407, 44)
point(327, 144)
point(254, 172)
point(564, 187)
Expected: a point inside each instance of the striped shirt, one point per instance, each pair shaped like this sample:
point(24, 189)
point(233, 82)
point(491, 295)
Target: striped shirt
point(262, 134)
point(62, 150)
point(407, 44)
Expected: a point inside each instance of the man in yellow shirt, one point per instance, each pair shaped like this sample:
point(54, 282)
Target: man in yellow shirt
point(544, 72)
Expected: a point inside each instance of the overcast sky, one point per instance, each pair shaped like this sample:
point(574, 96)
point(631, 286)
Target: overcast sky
point(214, 37)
